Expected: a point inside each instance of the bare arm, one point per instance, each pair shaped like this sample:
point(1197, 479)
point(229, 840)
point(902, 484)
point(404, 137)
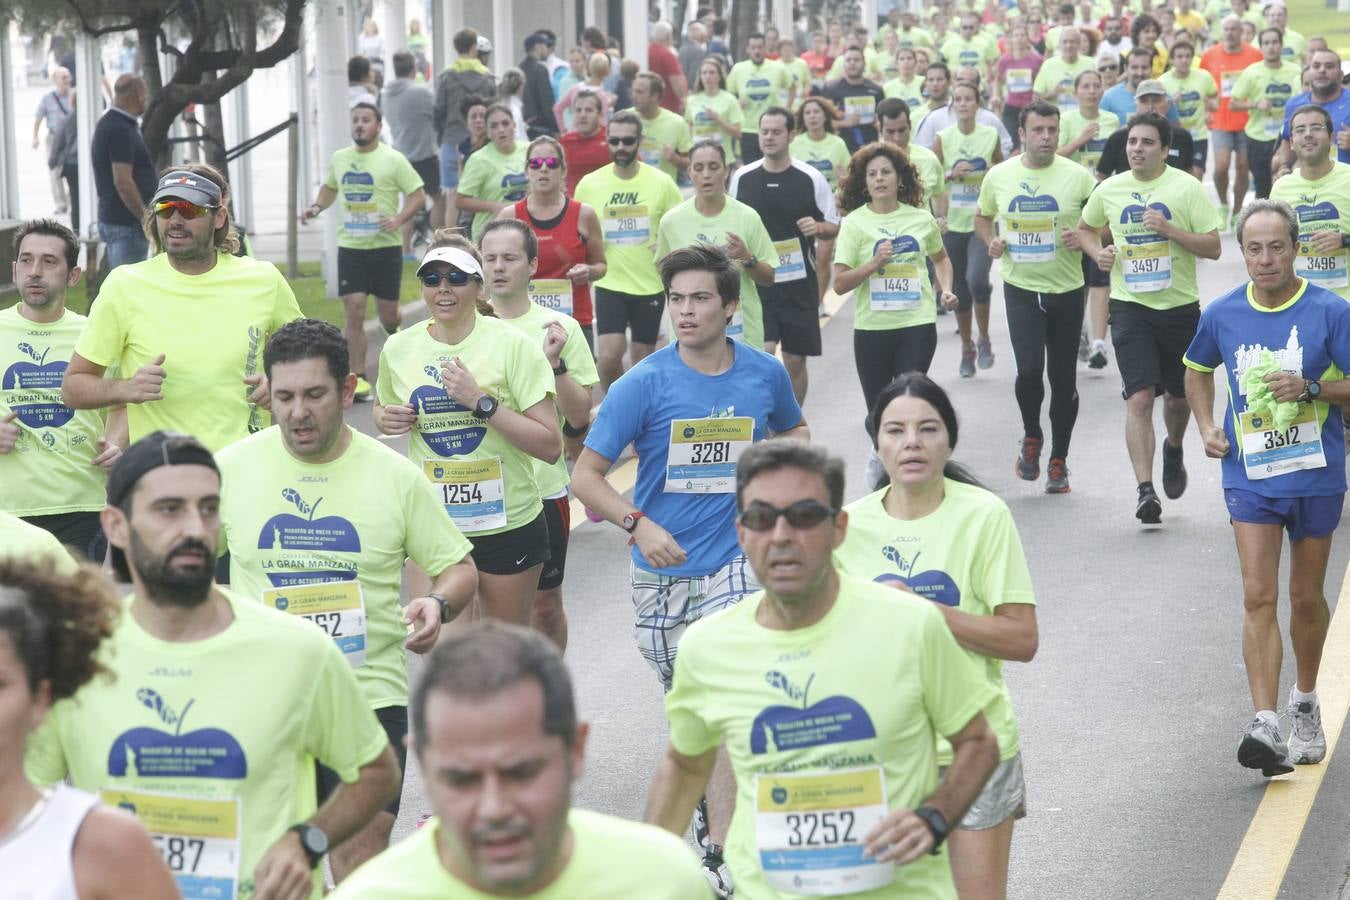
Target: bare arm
point(595, 243)
point(84, 386)
point(114, 857)
point(800, 431)
point(474, 205)
point(457, 585)
point(677, 785)
point(1205, 246)
point(534, 431)
point(1010, 633)
point(657, 546)
point(283, 873)
point(414, 204)
point(326, 197)
point(126, 189)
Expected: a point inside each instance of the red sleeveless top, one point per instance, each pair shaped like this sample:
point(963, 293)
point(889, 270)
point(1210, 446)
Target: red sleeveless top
point(561, 248)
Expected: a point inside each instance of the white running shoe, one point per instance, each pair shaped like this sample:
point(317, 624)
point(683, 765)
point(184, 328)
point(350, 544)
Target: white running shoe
point(1263, 748)
point(1307, 742)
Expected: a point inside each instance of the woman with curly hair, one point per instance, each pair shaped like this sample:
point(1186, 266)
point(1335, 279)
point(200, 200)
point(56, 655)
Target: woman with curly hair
point(880, 257)
point(60, 843)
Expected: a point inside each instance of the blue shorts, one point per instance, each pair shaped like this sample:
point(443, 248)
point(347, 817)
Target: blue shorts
point(1302, 517)
point(449, 167)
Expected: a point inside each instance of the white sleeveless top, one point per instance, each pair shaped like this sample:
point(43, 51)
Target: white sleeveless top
point(37, 862)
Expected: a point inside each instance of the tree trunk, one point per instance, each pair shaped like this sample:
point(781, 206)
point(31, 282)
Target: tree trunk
point(744, 22)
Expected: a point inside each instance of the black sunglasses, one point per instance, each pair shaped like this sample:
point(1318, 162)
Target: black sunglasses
point(454, 276)
point(802, 514)
point(626, 141)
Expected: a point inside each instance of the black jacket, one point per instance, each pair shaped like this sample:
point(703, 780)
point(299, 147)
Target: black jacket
point(537, 103)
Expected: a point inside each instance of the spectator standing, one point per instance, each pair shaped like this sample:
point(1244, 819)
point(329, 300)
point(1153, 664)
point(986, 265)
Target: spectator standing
point(465, 77)
point(692, 51)
point(662, 60)
point(412, 122)
point(511, 92)
point(124, 177)
point(537, 101)
point(55, 107)
point(371, 44)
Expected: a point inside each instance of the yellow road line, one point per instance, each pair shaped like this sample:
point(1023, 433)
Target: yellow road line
point(624, 477)
point(1263, 858)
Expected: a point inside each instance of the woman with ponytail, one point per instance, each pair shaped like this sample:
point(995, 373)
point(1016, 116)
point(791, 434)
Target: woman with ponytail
point(935, 532)
point(60, 844)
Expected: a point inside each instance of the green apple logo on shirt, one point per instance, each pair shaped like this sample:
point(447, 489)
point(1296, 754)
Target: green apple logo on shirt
point(313, 537)
point(35, 389)
point(833, 720)
point(934, 584)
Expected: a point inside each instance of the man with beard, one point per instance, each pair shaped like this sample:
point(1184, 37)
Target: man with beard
point(217, 706)
point(53, 460)
point(857, 98)
point(367, 178)
point(185, 328)
point(1324, 72)
point(378, 510)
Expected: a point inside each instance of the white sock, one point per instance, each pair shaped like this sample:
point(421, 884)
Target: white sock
point(1269, 717)
point(1098, 344)
point(1297, 696)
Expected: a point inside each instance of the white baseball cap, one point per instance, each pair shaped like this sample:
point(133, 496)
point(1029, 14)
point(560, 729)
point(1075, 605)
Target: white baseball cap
point(454, 256)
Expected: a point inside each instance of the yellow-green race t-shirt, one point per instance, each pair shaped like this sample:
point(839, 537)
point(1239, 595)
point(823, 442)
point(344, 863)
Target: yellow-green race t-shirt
point(859, 696)
point(508, 366)
point(1149, 269)
point(22, 542)
point(368, 186)
point(667, 129)
point(966, 554)
point(630, 211)
point(1055, 79)
point(1321, 205)
point(1073, 123)
point(685, 226)
point(829, 155)
point(929, 168)
point(349, 523)
point(492, 175)
point(696, 108)
point(576, 355)
point(225, 730)
point(211, 328)
point(1031, 208)
point(911, 93)
point(612, 859)
point(963, 194)
point(50, 470)
point(904, 294)
point(1195, 89)
point(1260, 82)
point(757, 87)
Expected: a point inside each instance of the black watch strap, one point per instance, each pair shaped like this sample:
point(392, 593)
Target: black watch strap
point(447, 614)
point(937, 825)
point(313, 841)
point(560, 368)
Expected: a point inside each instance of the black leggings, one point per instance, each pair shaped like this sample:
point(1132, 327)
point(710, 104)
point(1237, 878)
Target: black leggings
point(882, 355)
point(970, 269)
point(1260, 154)
point(1044, 330)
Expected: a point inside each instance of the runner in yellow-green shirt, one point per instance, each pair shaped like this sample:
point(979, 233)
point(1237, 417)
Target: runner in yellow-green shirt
point(1054, 82)
point(906, 85)
point(217, 707)
point(1035, 201)
point(511, 258)
point(1195, 95)
point(830, 693)
point(494, 177)
point(756, 82)
point(935, 533)
point(366, 180)
point(816, 144)
point(967, 150)
point(1262, 90)
point(53, 459)
point(798, 73)
point(1318, 190)
point(1083, 130)
point(713, 217)
point(186, 328)
point(528, 713)
point(630, 198)
point(893, 120)
point(1159, 219)
point(318, 521)
point(476, 396)
point(711, 110)
point(665, 136)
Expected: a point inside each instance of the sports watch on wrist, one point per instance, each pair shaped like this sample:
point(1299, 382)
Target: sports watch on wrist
point(447, 614)
point(485, 407)
point(313, 841)
point(937, 824)
point(630, 521)
point(560, 368)
point(1311, 391)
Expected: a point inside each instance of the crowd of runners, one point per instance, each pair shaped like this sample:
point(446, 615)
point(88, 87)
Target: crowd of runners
point(634, 261)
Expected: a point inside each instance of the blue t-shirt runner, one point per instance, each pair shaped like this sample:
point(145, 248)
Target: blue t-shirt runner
point(686, 494)
point(1272, 453)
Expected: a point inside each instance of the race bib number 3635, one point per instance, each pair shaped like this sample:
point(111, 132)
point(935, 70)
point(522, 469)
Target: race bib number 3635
point(199, 839)
point(809, 831)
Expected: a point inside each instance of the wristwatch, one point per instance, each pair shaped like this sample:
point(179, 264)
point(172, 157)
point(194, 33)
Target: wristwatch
point(751, 262)
point(1311, 391)
point(560, 368)
point(485, 408)
point(937, 824)
point(447, 614)
point(313, 841)
point(630, 521)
